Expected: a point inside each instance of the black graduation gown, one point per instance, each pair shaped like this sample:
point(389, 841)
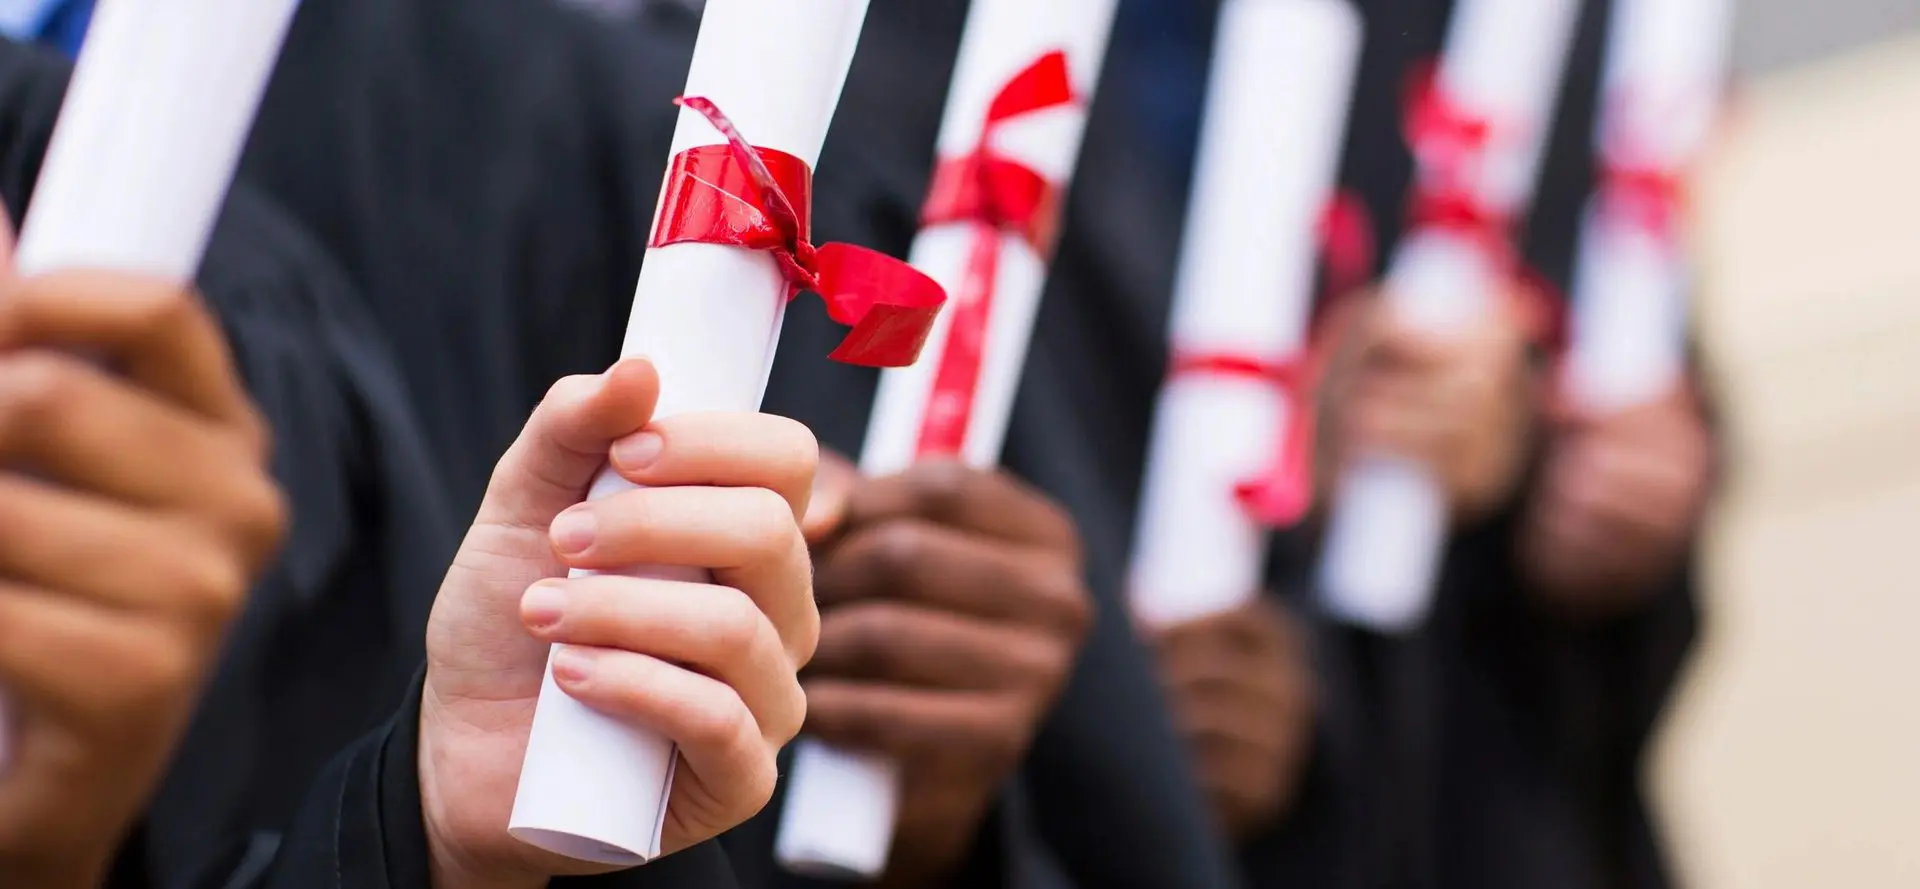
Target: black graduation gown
point(1499, 748)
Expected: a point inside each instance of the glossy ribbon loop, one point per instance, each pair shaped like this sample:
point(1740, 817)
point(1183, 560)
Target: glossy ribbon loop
point(997, 195)
point(736, 195)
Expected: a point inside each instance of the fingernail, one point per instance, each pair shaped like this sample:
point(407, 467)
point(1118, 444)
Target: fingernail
point(543, 604)
point(573, 530)
point(571, 665)
point(638, 451)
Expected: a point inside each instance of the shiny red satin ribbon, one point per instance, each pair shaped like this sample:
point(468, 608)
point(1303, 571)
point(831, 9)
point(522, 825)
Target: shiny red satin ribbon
point(996, 194)
point(736, 195)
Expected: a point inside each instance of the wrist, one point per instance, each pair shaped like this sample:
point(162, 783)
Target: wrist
point(452, 865)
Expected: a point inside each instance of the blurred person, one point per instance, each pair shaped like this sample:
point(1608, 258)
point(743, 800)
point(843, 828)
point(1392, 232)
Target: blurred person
point(137, 509)
point(323, 652)
point(510, 256)
point(1510, 731)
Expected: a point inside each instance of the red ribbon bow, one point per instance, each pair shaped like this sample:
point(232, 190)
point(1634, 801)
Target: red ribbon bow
point(1281, 493)
point(1451, 143)
point(736, 195)
point(995, 194)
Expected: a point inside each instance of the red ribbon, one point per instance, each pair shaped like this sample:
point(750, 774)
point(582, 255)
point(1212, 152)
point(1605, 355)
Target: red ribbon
point(995, 194)
point(736, 195)
point(1648, 197)
point(1451, 143)
point(1280, 494)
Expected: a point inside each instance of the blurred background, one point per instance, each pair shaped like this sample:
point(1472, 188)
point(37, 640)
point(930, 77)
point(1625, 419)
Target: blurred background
point(1793, 757)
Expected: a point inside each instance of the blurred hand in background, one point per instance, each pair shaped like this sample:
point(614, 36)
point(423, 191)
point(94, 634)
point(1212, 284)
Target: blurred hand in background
point(952, 611)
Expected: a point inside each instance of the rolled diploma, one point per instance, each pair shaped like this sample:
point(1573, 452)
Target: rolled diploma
point(160, 104)
point(1269, 158)
point(841, 805)
point(1666, 64)
point(1503, 61)
point(593, 788)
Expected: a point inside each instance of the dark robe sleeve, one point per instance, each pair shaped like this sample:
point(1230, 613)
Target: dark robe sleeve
point(361, 828)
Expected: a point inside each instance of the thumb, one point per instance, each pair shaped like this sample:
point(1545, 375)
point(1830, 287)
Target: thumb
point(833, 485)
point(564, 445)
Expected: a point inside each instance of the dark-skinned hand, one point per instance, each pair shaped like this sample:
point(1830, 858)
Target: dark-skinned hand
point(1459, 402)
point(1241, 690)
point(1619, 500)
point(952, 610)
point(136, 510)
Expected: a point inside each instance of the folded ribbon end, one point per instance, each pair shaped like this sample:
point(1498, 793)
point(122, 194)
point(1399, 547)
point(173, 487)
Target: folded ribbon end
point(890, 305)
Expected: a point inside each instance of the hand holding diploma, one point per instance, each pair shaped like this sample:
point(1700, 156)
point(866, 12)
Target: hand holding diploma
point(731, 246)
point(710, 666)
point(952, 612)
point(1008, 144)
point(135, 511)
point(1629, 461)
point(1478, 127)
point(1241, 689)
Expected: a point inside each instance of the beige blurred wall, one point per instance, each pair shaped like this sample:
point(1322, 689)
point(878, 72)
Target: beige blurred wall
point(1793, 758)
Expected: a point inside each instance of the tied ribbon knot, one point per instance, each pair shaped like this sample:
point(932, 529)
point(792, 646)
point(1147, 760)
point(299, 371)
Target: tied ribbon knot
point(1281, 493)
point(1644, 195)
point(997, 195)
point(737, 195)
point(1451, 142)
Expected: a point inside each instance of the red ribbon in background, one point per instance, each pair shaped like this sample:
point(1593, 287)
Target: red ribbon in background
point(736, 195)
point(1636, 183)
point(996, 194)
point(1450, 143)
point(1281, 494)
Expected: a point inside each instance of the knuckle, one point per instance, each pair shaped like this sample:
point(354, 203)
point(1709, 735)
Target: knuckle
point(862, 639)
point(718, 723)
point(784, 725)
point(896, 547)
point(1067, 599)
point(802, 449)
point(210, 591)
point(766, 521)
point(941, 486)
point(36, 386)
point(260, 516)
point(734, 622)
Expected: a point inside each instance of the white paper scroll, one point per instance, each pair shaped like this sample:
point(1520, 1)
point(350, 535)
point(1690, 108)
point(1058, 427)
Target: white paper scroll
point(1269, 160)
point(1503, 63)
point(593, 788)
point(152, 127)
point(841, 805)
point(1666, 66)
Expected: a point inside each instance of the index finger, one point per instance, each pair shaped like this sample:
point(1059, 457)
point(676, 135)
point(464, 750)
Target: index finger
point(950, 493)
point(156, 332)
